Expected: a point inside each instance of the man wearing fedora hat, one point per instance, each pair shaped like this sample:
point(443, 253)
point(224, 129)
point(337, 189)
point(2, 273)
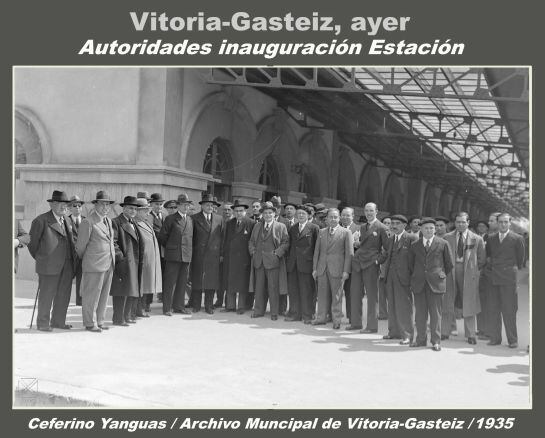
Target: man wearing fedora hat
point(205, 263)
point(125, 288)
point(236, 258)
point(268, 245)
point(52, 246)
point(157, 216)
point(96, 249)
point(75, 218)
point(176, 236)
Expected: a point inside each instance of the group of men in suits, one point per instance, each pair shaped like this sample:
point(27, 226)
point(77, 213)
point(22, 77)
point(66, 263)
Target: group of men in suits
point(264, 257)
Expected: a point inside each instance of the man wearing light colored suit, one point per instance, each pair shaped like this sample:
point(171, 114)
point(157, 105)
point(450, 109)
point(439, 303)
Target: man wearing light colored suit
point(467, 250)
point(95, 247)
point(331, 267)
point(268, 246)
point(430, 263)
point(52, 246)
point(365, 270)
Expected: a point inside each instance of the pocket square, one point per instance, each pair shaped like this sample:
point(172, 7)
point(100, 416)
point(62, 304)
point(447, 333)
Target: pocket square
point(374, 233)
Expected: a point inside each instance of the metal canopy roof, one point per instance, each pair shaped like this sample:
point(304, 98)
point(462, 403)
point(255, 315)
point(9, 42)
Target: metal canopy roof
point(463, 129)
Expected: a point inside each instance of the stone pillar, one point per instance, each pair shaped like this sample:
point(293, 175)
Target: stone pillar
point(247, 192)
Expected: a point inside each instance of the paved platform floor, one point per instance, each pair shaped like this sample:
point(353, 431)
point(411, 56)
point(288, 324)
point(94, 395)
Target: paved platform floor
point(232, 361)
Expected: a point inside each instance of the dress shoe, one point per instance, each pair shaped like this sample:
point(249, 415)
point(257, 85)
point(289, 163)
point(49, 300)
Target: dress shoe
point(255, 315)
point(167, 313)
point(210, 311)
point(103, 327)
point(417, 344)
point(217, 305)
point(182, 311)
point(472, 341)
point(367, 331)
point(513, 345)
point(227, 310)
point(93, 329)
point(336, 326)
point(195, 310)
point(436, 347)
point(45, 329)
point(307, 321)
point(274, 317)
point(405, 342)
point(62, 327)
point(493, 342)
point(241, 311)
point(291, 319)
point(444, 337)
point(316, 322)
point(483, 338)
point(142, 315)
point(121, 324)
point(131, 321)
point(352, 327)
point(391, 337)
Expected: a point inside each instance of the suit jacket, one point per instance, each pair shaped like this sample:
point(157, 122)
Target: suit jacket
point(95, 244)
point(157, 223)
point(150, 278)
point(505, 257)
point(372, 243)
point(129, 260)
point(176, 236)
point(430, 268)
point(49, 245)
point(24, 239)
point(236, 257)
point(207, 243)
point(286, 222)
point(302, 245)
point(397, 258)
point(75, 229)
point(333, 252)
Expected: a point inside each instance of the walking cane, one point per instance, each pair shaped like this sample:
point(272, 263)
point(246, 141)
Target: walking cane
point(34, 308)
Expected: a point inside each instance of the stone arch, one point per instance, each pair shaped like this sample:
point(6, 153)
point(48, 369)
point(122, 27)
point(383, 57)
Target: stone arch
point(314, 163)
point(431, 202)
point(219, 115)
point(346, 180)
point(369, 187)
point(32, 141)
point(393, 198)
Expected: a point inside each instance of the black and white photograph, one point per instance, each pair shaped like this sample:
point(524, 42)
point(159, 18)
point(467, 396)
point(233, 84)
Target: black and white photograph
point(353, 237)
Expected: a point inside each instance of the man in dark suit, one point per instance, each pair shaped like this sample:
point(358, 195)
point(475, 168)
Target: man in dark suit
point(365, 270)
point(256, 211)
point(125, 290)
point(398, 278)
point(176, 236)
point(157, 216)
point(227, 214)
point(331, 267)
point(20, 240)
point(430, 263)
point(205, 262)
point(505, 253)
point(75, 219)
point(52, 246)
point(347, 221)
point(236, 258)
point(303, 236)
point(268, 246)
point(96, 250)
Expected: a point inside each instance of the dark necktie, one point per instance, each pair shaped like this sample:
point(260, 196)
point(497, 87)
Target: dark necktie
point(61, 221)
point(208, 219)
point(428, 245)
point(460, 249)
point(367, 226)
point(331, 231)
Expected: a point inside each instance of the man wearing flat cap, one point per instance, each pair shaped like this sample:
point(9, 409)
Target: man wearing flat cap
point(176, 236)
point(75, 218)
point(205, 263)
point(268, 246)
point(52, 246)
point(96, 249)
point(398, 278)
point(236, 258)
point(430, 264)
point(125, 288)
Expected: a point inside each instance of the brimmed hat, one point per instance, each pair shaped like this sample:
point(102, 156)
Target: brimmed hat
point(320, 208)
point(184, 199)
point(276, 201)
point(442, 219)
point(129, 200)
point(239, 204)
point(400, 218)
point(142, 203)
point(171, 203)
point(76, 200)
point(305, 208)
point(156, 197)
point(427, 220)
point(208, 197)
point(102, 195)
point(228, 204)
point(293, 204)
point(59, 196)
point(311, 206)
point(144, 195)
point(267, 206)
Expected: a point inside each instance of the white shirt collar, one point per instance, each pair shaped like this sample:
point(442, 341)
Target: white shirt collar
point(180, 213)
point(372, 222)
point(504, 234)
point(425, 241)
point(302, 225)
point(464, 234)
point(57, 216)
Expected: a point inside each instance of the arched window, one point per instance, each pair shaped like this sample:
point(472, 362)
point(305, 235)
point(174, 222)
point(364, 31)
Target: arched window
point(219, 164)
